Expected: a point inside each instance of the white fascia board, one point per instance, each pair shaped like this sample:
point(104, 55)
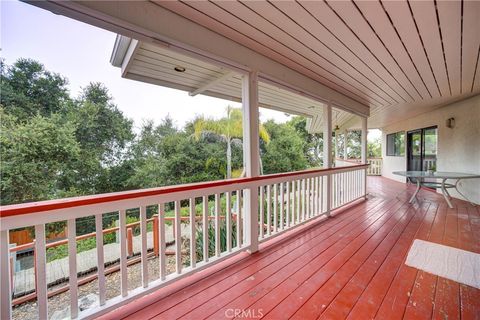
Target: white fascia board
point(146, 21)
point(120, 48)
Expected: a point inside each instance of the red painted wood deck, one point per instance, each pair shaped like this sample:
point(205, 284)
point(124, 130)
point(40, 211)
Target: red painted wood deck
point(350, 266)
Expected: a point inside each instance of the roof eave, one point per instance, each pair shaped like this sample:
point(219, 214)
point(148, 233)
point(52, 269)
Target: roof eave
point(119, 50)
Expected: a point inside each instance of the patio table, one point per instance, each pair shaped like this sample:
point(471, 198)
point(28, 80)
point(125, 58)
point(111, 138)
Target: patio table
point(420, 176)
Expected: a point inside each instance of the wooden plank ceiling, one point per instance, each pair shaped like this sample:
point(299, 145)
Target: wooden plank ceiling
point(401, 58)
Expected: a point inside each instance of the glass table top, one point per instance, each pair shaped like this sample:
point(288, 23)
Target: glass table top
point(438, 174)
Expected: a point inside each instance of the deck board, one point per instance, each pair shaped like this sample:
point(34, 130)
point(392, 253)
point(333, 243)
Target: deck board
point(276, 287)
point(350, 266)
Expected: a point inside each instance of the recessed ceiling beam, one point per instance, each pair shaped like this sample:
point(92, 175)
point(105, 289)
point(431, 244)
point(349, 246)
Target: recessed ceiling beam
point(211, 84)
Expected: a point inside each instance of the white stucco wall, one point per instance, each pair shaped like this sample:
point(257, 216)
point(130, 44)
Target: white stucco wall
point(458, 148)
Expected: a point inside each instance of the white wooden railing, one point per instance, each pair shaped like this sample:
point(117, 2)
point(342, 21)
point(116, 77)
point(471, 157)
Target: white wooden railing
point(285, 201)
point(375, 168)
point(429, 163)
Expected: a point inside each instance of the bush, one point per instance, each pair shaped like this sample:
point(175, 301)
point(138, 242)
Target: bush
point(211, 239)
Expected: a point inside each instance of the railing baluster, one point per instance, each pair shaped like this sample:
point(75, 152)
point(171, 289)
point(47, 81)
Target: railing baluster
point(357, 183)
point(41, 271)
point(100, 258)
point(307, 198)
point(288, 205)
point(315, 196)
point(72, 267)
point(336, 190)
point(123, 252)
point(269, 209)
point(364, 172)
point(228, 220)
point(217, 225)
point(312, 201)
point(312, 197)
point(178, 238)
point(5, 285)
point(294, 195)
point(350, 184)
point(319, 195)
point(347, 186)
point(205, 227)
point(261, 201)
point(354, 184)
point(328, 194)
point(143, 256)
point(275, 207)
point(303, 199)
point(299, 200)
point(193, 253)
point(282, 206)
point(163, 245)
point(339, 175)
point(239, 219)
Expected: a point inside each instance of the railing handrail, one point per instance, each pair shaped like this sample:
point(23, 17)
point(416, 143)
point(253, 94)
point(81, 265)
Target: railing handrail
point(358, 159)
point(47, 205)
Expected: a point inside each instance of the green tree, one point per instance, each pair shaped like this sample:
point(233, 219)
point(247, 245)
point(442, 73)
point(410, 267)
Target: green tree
point(35, 155)
point(354, 144)
point(229, 128)
point(104, 135)
point(374, 148)
point(313, 147)
point(29, 90)
point(285, 152)
point(164, 155)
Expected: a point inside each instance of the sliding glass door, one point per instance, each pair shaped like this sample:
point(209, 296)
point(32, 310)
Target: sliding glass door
point(422, 149)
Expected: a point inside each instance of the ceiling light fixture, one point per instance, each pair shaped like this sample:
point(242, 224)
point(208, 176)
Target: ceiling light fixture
point(179, 69)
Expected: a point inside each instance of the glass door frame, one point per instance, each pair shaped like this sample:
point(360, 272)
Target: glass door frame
point(422, 145)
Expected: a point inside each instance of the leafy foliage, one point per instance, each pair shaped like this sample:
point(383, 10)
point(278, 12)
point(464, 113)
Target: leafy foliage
point(211, 239)
point(229, 129)
point(35, 154)
point(285, 152)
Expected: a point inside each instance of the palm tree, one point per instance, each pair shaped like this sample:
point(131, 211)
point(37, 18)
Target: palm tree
point(229, 129)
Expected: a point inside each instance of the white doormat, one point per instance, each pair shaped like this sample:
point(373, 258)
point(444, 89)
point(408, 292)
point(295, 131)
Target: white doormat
point(451, 263)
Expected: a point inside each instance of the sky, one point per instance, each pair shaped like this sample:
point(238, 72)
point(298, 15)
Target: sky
point(81, 53)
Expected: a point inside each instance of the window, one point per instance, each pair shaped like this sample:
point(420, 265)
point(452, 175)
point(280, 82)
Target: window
point(396, 144)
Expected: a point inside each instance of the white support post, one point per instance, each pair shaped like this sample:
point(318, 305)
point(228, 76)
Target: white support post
point(5, 285)
point(41, 272)
point(364, 140)
point(251, 155)
point(336, 148)
point(327, 152)
point(345, 140)
point(72, 267)
point(364, 154)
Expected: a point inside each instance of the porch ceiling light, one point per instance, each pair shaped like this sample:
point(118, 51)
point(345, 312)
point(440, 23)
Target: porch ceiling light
point(179, 69)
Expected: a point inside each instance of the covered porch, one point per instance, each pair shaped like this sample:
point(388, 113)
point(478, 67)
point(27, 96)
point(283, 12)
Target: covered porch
point(319, 243)
point(351, 265)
